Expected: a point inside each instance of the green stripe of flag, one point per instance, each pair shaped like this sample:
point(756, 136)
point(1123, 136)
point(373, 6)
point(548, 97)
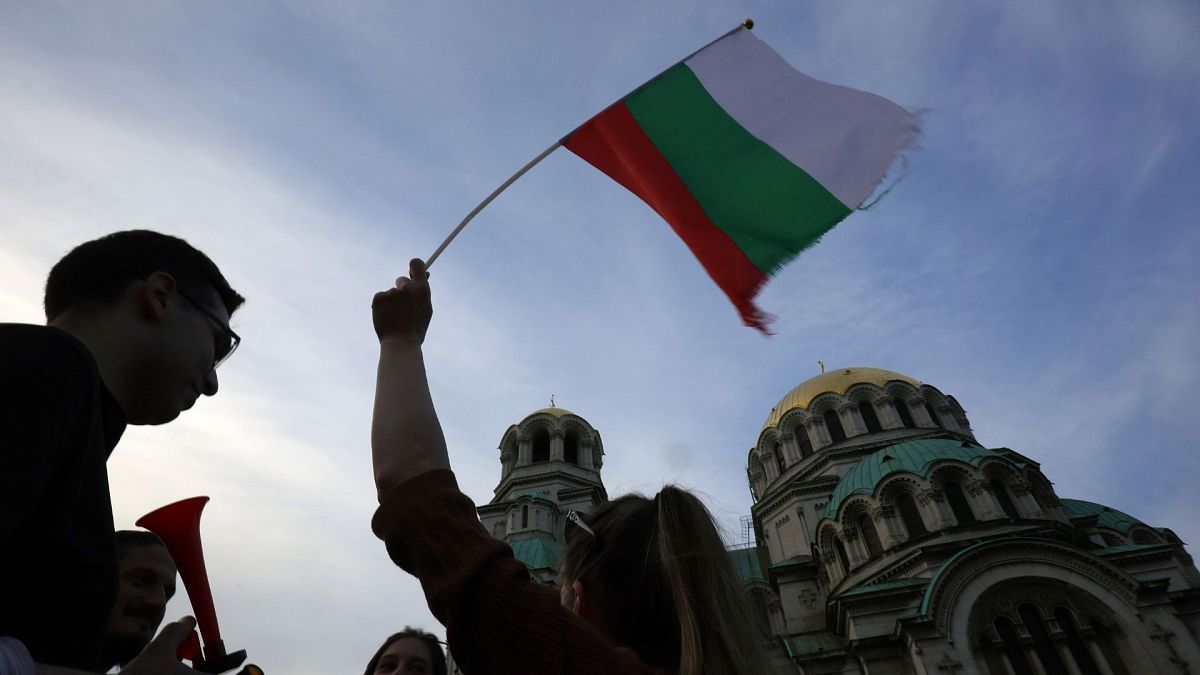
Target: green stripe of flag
point(767, 205)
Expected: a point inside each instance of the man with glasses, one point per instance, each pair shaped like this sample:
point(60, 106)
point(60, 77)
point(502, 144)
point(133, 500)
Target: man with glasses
point(137, 323)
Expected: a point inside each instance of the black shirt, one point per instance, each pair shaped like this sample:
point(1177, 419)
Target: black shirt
point(58, 560)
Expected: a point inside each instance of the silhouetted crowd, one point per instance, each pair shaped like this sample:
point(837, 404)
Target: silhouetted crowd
point(137, 325)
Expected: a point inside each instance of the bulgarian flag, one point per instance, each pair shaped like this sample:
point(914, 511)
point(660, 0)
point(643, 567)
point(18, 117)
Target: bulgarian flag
point(749, 160)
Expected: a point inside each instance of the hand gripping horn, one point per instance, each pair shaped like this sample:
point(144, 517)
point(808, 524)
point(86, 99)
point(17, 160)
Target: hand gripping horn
point(178, 525)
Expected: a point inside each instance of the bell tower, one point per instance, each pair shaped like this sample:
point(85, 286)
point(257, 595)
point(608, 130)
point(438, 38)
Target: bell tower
point(550, 465)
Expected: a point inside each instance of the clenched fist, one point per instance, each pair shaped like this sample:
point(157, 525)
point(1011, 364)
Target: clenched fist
point(402, 314)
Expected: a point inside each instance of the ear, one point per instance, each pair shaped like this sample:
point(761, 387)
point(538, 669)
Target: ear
point(154, 294)
point(580, 604)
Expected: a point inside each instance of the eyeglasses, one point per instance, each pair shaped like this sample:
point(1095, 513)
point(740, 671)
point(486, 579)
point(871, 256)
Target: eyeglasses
point(576, 518)
point(223, 352)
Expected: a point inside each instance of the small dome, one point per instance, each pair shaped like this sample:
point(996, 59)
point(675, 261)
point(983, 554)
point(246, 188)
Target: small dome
point(552, 410)
point(913, 457)
point(834, 381)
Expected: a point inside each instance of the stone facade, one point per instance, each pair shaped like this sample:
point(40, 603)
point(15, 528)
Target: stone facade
point(891, 541)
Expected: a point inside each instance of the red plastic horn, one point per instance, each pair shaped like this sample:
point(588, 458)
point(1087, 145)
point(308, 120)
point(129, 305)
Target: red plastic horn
point(178, 525)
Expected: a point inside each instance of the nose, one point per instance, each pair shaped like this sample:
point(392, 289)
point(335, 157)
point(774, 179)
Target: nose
point(210, 383)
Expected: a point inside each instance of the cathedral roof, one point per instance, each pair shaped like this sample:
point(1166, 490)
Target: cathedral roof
point(915, 457)
point(747, 564)
point(538, 554)
point(835, 381)
point(1106, 517)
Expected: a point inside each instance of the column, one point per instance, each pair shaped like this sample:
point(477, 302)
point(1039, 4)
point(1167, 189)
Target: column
point(920, 413)
point(556, 446)
point(787, 445)
point(854, 547)
point(983, 502)
point(1098, 657)
point(585, 454)
point(888, 417)
point(1068, 659)
point(833, 570)
point(769, 468)
point(819, 433)
point(852, 421)
point(524, 451)
point(886, 516)
point(1022, 494)
point(814, 438)
point(933, 503)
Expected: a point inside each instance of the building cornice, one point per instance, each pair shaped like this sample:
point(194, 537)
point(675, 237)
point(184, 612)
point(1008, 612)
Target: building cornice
point(509, 484)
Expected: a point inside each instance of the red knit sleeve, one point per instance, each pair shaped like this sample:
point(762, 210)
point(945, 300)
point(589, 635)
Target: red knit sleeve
point(498, 620)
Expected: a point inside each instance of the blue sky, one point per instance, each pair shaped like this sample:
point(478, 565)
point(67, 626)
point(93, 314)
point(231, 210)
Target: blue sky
point(1038, 260)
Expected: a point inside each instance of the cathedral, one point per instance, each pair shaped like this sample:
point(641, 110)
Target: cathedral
point(888, 541)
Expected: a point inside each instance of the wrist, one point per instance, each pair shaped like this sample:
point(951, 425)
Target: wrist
point(400, 343)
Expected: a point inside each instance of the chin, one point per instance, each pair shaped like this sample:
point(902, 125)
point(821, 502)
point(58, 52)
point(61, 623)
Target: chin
point(154, 417)
point(121, 649)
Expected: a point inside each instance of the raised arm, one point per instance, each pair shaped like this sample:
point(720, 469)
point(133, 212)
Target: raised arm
point(406, 437)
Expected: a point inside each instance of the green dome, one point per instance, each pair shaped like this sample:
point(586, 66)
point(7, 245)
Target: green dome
point(1106, 517)
point(914, 457)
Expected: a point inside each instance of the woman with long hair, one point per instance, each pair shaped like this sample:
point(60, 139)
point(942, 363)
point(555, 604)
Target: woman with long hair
point(647, 586)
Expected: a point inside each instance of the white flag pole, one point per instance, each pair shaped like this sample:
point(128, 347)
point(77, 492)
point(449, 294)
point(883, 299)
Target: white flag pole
point(747, 24)
point(475, 211)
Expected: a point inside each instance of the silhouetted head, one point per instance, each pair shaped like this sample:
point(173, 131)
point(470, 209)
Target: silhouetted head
point(412, 651)
point(155, 313)
point(146, 583)
point(653, 575)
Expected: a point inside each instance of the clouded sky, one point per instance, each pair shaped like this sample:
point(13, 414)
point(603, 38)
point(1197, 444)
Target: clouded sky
point(1038, 260)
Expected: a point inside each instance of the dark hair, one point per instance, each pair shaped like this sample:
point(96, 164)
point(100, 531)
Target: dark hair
point(97, 272)
point(430, 640)
point(128, 539)
point(665, 586)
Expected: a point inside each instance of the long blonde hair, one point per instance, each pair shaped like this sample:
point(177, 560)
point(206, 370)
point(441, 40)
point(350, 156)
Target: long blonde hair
point(665, 585)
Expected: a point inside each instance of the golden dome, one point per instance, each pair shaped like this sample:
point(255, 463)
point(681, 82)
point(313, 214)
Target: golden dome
point(834, 381)
point(552, 410)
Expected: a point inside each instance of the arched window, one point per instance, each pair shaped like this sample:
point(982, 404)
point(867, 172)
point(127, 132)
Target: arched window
point(780, 460)
point(1006, 503)
point(1075, 642)
point(958, 503)
point(1051, 662)
point(1023, 643)
point(1042, 493)
point(840, 550)
point(869, 417)
point(902, 410)
point(802, 441)
point(571, 447)
point(524, 516)
point(1012, 648)
point(910, 516)
point(834, 424)
point(937, 421)
point(870, 536)
point(541, 445)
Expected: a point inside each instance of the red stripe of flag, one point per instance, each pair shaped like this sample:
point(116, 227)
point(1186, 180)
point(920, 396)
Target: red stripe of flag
point(614, 143)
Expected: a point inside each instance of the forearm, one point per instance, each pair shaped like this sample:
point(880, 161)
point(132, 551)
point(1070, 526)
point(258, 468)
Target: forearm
point(406, 437)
